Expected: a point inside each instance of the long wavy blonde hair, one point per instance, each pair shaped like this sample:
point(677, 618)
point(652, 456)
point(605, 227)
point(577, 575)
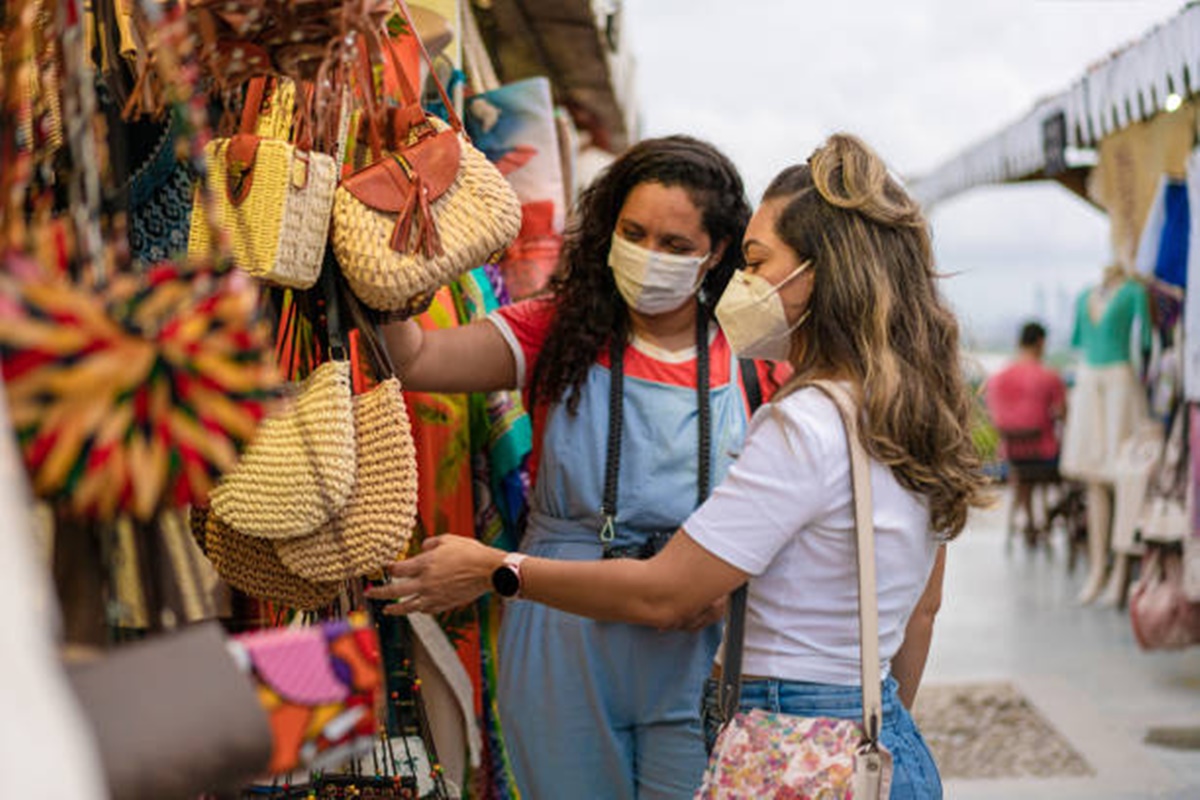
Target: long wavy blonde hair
point(879, 321)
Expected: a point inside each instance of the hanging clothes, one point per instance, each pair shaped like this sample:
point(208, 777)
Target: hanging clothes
point(1191, 311)
point(1107, 403)
point(1163, 244)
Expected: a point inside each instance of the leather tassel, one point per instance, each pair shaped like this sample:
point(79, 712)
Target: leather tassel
point(402, 234)
point(430, 240)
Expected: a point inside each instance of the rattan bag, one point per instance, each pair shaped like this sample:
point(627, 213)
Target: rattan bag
point(250, 565)
point(273, 198)
point(298, 471)
point(375, 526)
point(380, 211)
point(429, 207)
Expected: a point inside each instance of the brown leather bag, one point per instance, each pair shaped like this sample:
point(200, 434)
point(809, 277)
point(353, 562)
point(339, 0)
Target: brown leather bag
point(1162, 616)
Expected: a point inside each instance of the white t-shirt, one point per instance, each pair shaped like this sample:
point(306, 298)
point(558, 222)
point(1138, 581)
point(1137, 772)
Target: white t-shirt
point(784, 514)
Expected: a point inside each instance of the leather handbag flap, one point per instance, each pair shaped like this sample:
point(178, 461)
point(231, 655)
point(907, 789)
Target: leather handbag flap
point(240, 155)
point(436, 159)
point(386, 185)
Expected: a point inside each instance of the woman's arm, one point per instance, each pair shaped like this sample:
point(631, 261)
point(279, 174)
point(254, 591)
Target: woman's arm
point(671, 590)
point(909, 664)
point(471, 358)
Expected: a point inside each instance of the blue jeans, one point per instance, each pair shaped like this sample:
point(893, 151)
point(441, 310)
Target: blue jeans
point(914, 774)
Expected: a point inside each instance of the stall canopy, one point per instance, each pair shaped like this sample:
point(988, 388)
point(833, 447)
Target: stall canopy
point(577, 44)
point(1056, 138)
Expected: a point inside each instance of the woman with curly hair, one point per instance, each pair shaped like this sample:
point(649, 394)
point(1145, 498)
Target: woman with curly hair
point(639, 406)
point(839, 281)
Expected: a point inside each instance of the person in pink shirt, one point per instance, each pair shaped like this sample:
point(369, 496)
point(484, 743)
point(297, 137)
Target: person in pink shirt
point(1026, 401)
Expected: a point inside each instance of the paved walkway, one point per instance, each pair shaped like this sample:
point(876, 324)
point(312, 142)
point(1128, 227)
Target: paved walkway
point(1012, 616)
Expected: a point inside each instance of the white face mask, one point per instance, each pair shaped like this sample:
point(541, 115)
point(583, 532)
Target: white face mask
point(752, 316)
point(653, 282)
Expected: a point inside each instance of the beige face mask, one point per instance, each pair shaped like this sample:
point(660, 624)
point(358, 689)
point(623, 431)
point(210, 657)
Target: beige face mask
point(753, 318)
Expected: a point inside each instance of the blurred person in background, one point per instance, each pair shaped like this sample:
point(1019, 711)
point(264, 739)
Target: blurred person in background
point(1027, 401)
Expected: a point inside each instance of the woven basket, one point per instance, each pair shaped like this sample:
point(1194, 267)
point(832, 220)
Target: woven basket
point(279, 229)
point(298, 471)
point(376, 525)
point(477, 217)
point(250, 565)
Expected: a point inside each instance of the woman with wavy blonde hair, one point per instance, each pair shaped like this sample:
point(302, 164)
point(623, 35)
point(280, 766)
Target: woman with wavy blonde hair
point(839, 281)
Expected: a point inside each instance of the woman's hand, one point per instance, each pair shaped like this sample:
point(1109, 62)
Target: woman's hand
point(450, 572)
point(714, 612)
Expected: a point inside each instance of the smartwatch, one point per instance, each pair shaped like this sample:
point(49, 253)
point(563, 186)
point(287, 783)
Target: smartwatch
point(506, 578)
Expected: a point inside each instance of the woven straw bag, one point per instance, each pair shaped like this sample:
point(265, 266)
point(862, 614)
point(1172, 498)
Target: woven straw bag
point(250, 565)
point(428, 209)
point(477, 216)
point(298, 471)
point(375, 526)
point(272, 197)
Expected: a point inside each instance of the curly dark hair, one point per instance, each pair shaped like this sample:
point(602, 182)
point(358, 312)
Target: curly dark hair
point(589, 311)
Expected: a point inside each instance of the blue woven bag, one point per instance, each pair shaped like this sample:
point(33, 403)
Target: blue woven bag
point(160, 201)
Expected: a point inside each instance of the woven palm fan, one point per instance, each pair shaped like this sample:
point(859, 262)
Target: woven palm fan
point(136, 398)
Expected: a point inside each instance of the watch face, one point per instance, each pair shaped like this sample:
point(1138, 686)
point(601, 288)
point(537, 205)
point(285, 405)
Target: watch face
point(505, 581)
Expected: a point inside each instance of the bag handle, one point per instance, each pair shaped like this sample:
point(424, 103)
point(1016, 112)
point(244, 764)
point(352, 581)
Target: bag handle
point(868, 598)
point(455, 121)
point(868, 601)
point(729, 689)
point(256, 91)
point(408, 93)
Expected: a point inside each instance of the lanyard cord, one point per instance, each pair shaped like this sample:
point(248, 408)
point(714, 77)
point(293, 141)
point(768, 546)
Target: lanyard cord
point(616, 394)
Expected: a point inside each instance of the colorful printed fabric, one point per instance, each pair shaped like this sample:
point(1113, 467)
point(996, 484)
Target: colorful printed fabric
point(319, 687)
point(762, 754)
point(501, 442)
point(514, 126)
point(441, 433)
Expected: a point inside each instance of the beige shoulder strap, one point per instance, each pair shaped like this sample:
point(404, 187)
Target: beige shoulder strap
point(864, 523)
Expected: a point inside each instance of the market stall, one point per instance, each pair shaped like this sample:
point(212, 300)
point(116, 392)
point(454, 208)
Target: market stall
point(209, 211)
point(1123, 137)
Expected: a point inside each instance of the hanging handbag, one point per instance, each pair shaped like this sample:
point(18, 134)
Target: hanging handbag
point(1162, 616)
point(272, 197)
point(423, 213)
point(160, 200)
point(298, 471)
point(250, 564)
point(376, 524)
point(760, 754)
point(320, 687)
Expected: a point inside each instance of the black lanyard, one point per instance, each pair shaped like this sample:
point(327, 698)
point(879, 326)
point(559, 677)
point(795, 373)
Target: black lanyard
point(616, 394)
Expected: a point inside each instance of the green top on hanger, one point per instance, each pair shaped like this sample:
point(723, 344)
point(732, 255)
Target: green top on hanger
point(1103, 331)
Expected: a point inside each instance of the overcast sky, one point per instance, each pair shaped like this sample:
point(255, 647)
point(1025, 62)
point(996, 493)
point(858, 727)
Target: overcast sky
point(767, 80)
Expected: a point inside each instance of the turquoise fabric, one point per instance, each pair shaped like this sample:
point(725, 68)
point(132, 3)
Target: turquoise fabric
point(599, 709)
point(1108, 340)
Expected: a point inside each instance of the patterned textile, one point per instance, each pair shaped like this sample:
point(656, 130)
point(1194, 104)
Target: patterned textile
point(441, 433)
point(514, 126)
point(501, 441)
point(160, 202)
point(762, 754)
point(319, 687)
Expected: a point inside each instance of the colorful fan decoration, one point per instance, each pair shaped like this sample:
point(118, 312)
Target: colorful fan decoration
point(135, 398)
